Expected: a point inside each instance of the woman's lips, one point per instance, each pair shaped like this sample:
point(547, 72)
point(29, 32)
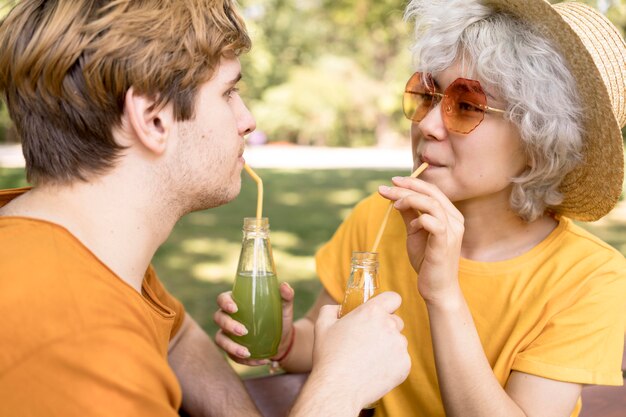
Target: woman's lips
point(431, 162)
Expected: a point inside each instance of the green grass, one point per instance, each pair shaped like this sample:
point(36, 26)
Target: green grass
point(304, 207)
point(12, 178)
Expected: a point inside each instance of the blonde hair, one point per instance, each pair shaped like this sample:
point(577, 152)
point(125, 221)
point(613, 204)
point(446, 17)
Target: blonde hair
point(66, 65)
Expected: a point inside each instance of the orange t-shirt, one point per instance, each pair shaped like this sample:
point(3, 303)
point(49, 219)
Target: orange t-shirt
point(556, 311)
point(76, 340)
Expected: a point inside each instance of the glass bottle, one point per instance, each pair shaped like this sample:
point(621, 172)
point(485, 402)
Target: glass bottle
point(362, 285)
point(256, 292)
point(363, 282)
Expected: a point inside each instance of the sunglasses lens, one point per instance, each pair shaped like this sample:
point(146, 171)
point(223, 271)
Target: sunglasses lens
point(418, 97)
point(463, 105)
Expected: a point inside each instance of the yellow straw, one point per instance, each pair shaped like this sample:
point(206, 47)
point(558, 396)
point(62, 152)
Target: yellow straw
point(384, 223)
point(259, 184)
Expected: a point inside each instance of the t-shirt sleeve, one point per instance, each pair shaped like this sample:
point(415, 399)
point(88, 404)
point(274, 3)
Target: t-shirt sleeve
point(333, 260)
point(584, 341)
point(110, 371)
point(167, 299)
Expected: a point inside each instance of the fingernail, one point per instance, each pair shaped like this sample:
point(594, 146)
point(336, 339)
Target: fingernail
point(384, 188)
point(243, 353)
point(397, 178)
point(233, 308)
point(241, 331)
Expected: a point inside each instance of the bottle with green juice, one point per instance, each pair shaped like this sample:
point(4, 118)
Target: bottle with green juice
point(256, 292)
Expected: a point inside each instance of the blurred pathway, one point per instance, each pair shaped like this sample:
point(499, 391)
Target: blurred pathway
point(304, 157)
point(11, 156)
point(292, 157)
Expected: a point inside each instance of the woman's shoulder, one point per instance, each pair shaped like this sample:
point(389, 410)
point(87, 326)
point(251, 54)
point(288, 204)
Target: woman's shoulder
point(577, 242)
point(575, 232)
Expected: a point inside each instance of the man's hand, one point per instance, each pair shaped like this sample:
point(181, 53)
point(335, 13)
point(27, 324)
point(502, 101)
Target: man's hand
point(363, 355)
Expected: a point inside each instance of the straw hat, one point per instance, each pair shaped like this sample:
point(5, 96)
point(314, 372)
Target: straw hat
point(596, 54)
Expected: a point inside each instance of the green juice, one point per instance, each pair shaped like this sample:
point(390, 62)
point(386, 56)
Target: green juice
point(260, 310)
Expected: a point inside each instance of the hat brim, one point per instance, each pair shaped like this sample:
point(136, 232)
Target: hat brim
point(592, 189)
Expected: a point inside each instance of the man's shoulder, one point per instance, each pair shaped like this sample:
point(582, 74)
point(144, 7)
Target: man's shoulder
point(47, 276)
point(31, 246)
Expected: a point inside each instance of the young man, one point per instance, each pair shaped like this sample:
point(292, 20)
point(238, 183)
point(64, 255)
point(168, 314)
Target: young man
point(130, 118)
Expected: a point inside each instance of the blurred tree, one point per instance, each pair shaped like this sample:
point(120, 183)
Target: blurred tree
point(293, 90)
point(331, 72)
point(333, 102)
point(291, 85)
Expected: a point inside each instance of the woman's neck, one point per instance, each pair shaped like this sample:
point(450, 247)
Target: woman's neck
point(497, 233)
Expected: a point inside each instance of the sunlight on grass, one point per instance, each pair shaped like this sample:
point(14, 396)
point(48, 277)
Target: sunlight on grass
point(294, 268)
point(222, 269)
point(289, 199)
point(212, 272)
point(285, 240)
point(349, 196)
point(208, 245)
point(177, 262)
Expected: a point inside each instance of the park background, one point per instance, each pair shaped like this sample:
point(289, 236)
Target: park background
point(324, 80)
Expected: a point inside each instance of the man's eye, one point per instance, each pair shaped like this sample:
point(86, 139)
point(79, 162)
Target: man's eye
point(231, 92)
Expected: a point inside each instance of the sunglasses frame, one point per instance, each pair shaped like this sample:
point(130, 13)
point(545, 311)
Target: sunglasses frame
point(440, 97)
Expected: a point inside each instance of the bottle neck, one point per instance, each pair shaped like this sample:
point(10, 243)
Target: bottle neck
point(256, 227)
point(365, 260)
point(256, 257)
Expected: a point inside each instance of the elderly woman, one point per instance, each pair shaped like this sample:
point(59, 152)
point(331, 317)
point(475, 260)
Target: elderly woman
point(510, 307)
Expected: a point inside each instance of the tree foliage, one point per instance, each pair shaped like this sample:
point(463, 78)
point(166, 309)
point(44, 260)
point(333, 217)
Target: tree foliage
point(332, 71)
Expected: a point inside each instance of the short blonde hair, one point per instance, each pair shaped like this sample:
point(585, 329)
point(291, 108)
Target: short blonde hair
point(66, 65)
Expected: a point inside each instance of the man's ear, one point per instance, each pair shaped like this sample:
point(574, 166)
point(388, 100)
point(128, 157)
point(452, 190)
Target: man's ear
point(150, 125)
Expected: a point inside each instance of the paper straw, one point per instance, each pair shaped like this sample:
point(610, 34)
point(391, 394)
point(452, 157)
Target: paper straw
point(259, 184)
point(384, 223)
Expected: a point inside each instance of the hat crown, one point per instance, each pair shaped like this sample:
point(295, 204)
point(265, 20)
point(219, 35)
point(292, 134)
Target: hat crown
point(606, 47)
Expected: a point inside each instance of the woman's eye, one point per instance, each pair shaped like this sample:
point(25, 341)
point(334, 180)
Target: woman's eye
point(467, 106)
point(425, 97)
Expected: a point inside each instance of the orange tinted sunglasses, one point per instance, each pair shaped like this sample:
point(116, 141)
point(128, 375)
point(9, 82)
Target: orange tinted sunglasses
point(463, 103)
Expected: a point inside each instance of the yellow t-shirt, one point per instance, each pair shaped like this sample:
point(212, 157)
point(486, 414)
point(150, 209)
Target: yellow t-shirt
point(76, 340)
point(556, 311)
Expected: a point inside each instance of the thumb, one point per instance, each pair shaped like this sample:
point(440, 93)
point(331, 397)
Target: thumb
point(388, 301)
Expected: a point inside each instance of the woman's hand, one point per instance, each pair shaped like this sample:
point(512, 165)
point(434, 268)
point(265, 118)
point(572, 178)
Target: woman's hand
point(434, 229)
point(228, 325)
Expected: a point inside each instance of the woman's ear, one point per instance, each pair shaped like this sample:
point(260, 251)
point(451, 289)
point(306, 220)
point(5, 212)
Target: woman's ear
point(150, 125)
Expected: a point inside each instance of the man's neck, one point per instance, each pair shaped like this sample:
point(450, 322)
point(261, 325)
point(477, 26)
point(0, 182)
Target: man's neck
point(121, 225)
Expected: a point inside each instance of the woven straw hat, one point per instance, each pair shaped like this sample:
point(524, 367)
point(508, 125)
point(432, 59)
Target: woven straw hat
point(596, 55)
